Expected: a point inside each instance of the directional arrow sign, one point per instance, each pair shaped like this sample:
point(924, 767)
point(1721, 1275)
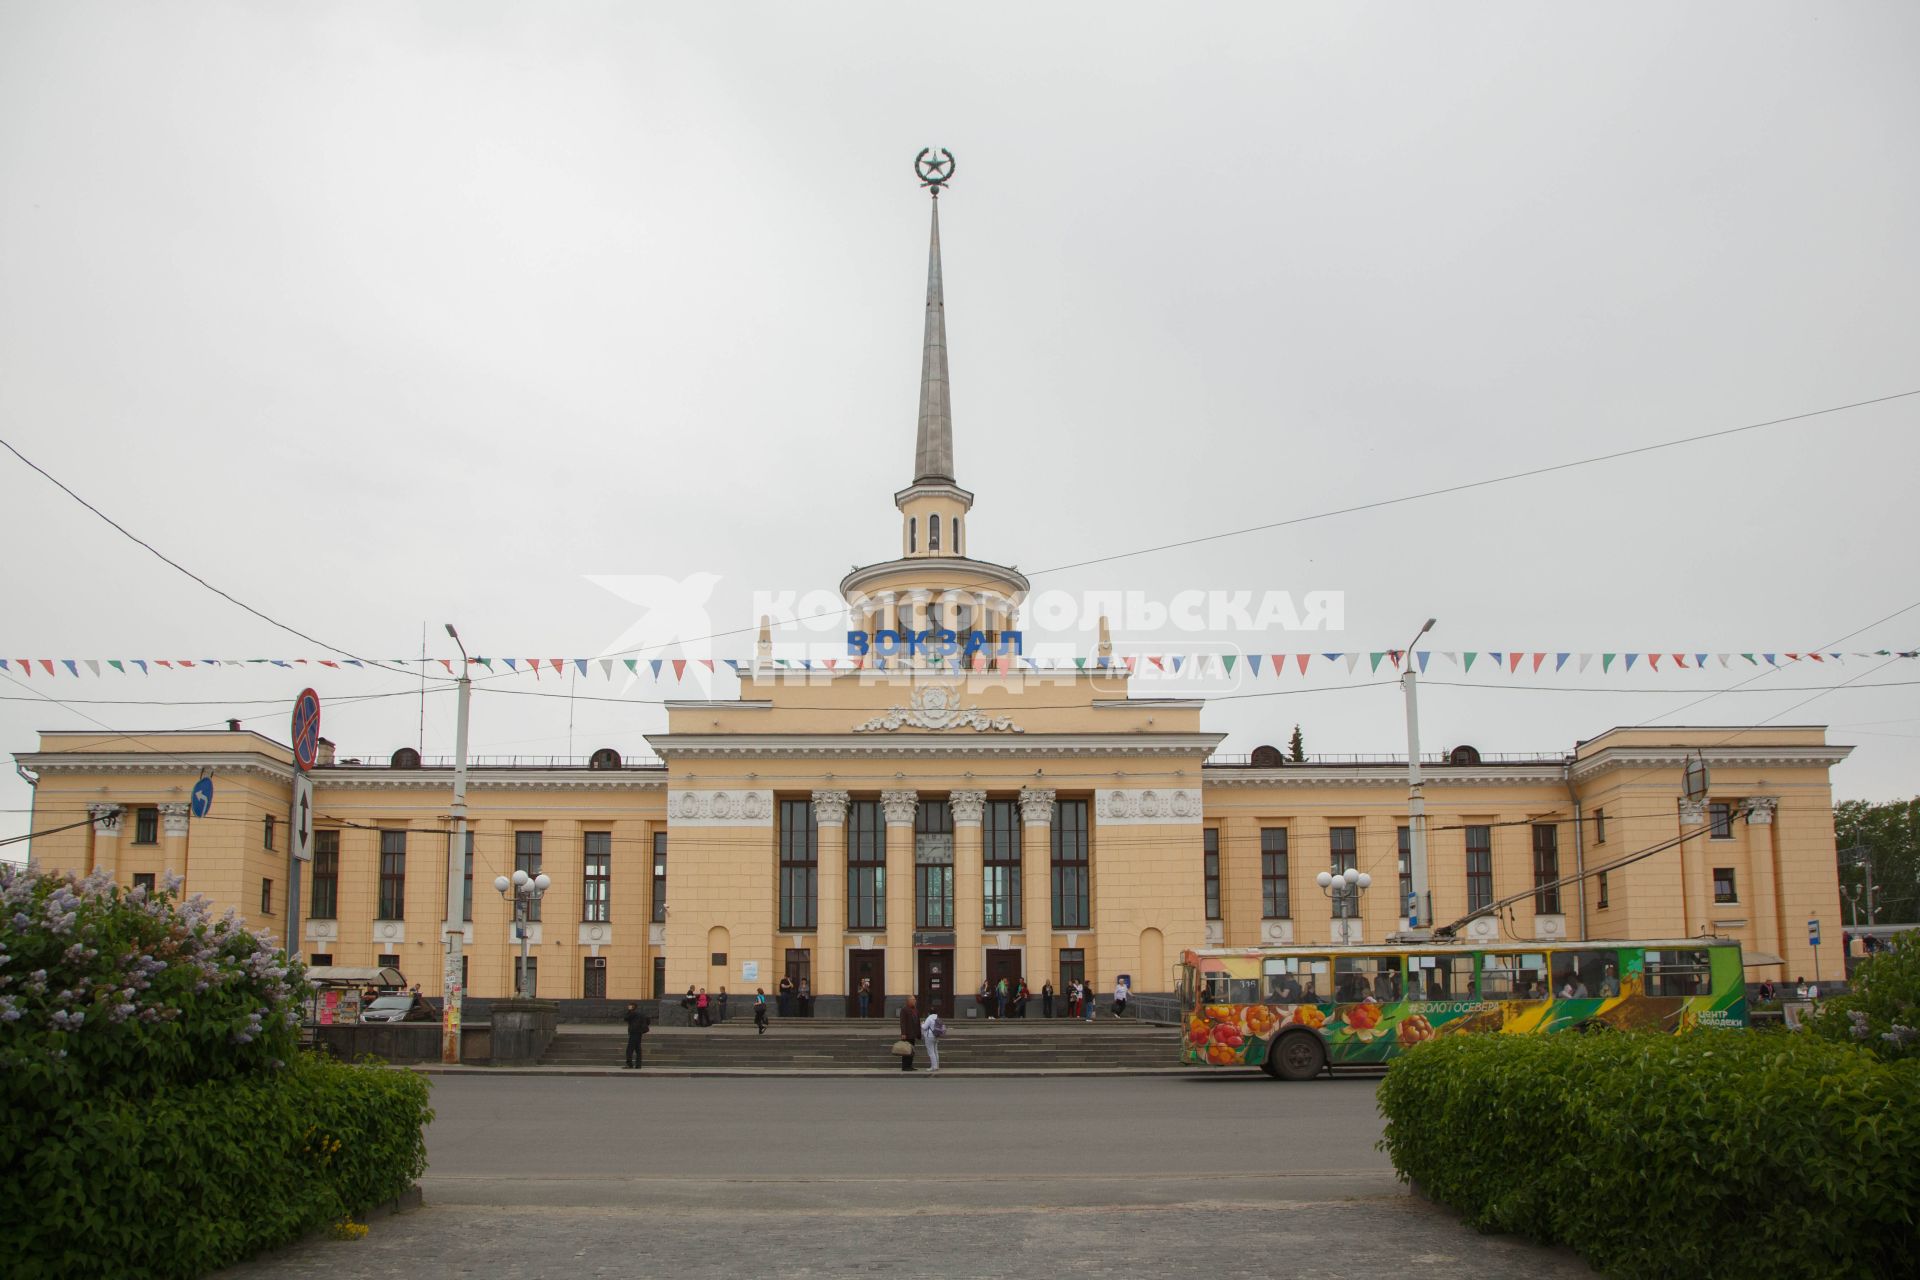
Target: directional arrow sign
point(202, 797)
point(302, 817)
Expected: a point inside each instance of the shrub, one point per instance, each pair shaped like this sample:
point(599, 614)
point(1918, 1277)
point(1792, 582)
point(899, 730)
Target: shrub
point(1717, 1153)
point(156, 1118)
point(1881, 1010)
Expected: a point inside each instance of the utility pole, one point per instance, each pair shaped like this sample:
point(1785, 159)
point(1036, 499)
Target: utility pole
point(453, 977)
point(1421, 907)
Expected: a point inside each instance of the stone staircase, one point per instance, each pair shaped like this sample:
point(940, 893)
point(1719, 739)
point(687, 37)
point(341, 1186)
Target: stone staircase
point(851, 1044)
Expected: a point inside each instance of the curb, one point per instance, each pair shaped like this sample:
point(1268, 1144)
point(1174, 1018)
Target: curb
point(820, 1073)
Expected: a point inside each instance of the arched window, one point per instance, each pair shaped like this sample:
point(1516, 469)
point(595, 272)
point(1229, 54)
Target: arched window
point(913, 534)
point(933, 533)
point(957, 548)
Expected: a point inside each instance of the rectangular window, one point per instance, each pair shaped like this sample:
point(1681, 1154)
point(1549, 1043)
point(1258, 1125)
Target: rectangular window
point(1001, 888)
point(266, 832)
point(319, 959)
point(526, 976)
point(467, 890)
point(596, 905)
point(933, 865)
point(1406, 870)
point(1479, 868)
point(1603, 889)
point(389, 962)
point(1719, 821)
point(1599, 826)
point(1275, 901)
point(1210, 869)
point(1072, 874)
point(1514, 976)
point(1724, 889)
point(393, 875)
point(799, 865)
point(800, 967)
point(1546, 869)
point(1346, 855)
point(593, 982)
point(659, 977)
point(266, 896)
point(866, 866)
point(1073, 966)
point(1441, 977)
point(659, 877)
point(1678, 973)
point(526, 857)
point(146, 826)
point(326, 875)
point(143, 880)
point(1289, 980)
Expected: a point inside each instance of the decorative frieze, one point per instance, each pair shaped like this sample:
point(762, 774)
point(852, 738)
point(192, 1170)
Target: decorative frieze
point(901, 806)
point(937, 707)
point(830, 808)
point(969, 808)
point(1036, 806)
point(719, 808)
point(1142, 806)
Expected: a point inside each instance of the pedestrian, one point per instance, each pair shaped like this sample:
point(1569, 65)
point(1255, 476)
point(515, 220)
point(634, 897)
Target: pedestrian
point(931, 1029)
point(985, 997)
point(1089, 1006)
point(702, 1009)
point(1046, 998)
point(723, 1005)
point(909, 1031)
point(760, 1009)
point(1121, 994)
point(1020, 1000)
point(786, 995)
point(1800, 987)
point(637, 1026)
point(806, 998)
point(687, 1003)
point(1000, 998)
point(1766, 990)
point(866, 997)
point(1073, 998)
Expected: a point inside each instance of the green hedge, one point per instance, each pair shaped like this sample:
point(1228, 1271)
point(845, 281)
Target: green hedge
point(1718, 1153)
point(193, 1179)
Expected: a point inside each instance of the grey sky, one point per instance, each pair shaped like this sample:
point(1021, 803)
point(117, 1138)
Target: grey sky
point(376, 314)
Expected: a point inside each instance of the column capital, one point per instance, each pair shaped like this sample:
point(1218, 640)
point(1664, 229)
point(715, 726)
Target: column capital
point(1693, 813)
point(174, 818)
point(969, 807)
point(901, 806)
point(1036, 806)
point(106, 819)
point(830, 808)
point(1760, 810)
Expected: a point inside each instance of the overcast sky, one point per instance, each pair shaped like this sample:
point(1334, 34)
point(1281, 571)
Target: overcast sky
point(378, 315)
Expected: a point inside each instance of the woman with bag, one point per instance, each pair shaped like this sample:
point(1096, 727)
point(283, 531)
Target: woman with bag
point(931, 1029)
point(909, 1032)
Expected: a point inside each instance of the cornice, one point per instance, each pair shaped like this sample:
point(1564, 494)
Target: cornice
point(1823, 756)
point(492, 780)
point(149, 763)
point(670, 746)
point(1308, 775)
point(958, 566)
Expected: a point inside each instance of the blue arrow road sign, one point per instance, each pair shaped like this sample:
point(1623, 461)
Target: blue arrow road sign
point(203, 797)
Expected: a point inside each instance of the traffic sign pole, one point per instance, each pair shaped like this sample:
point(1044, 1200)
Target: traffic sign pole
point(1813, 940)
point(306, 746)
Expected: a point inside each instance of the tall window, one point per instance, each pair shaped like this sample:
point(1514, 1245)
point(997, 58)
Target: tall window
point(143, 880)
point(1599, 826)
point(913, 533)
point(146, 826)
point(1073, 966)
point(957, 548)
point(1406, 870)
point(933, 533)
point(1724, 885)
point(1603, 889)
point(1546, 869)
point(597, 904)
point(466, 892)
point(326, 875)
point(1479, 868)
point(393, 875)
point(1072, 874)
point(1346, 855)
point(659, 877)
point(799, 865)
point(1719, 821)
point(266, 896)
point(1001, 874)
point(1210, 869)
point(593, 980)
point(1276, 903)
point(526, 857)
point(266, 831)
point(866, 866)
point(933, 864)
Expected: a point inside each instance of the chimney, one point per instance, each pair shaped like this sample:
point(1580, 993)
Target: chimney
point(233, 726)
point(325, 754)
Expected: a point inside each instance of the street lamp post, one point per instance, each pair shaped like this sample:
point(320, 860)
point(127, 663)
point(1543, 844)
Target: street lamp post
point(1421, 907)
point(526, 891)
point(453, 976)
point(1344, 888)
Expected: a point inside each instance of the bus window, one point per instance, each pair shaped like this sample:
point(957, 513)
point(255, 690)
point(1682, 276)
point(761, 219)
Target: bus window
point(1678, 973)
point(1297, 979)
point(1224, 989)
point(1213, 989)
point(1448, 977)
point(1359, 978)
point(1514, 976)
point(1583, 975)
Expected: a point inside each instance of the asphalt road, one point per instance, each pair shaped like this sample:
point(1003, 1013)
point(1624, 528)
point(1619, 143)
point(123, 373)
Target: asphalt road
point(1215, 1175)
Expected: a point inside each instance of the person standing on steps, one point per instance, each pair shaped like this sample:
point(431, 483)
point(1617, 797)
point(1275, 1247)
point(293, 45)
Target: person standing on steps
point(786, 995)
point(931, 1029)
point(985, 997)
point(637, 1026)
point(723, 1004)
point(701, 1007)
point(687, 1002)
point(866, 997)
point(760, 1009)
point(1046, 998)
point(909, 1031)
point(1089, 1006)
point(1121, 994)
point(806, 998)
point(1000, 998)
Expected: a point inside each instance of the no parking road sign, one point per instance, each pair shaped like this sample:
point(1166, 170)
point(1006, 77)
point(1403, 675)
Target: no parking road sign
point(306, 728)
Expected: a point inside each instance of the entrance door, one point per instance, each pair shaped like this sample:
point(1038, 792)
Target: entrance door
point(934, 991)
point(1002, 964)
point(872, 966)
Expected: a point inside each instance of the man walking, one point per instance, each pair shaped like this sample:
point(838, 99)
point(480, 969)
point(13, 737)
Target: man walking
point(637, 1026)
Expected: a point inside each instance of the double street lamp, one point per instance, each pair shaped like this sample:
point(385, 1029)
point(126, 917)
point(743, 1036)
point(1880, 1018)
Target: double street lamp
point(526, 891)
point(1344, 888)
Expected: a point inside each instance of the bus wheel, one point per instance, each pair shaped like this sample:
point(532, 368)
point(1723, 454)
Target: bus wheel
point(1298, 1055)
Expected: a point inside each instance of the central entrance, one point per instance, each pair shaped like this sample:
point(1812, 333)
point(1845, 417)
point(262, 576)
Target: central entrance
point(1002, 963)
point(871, 966)
point(934, 990)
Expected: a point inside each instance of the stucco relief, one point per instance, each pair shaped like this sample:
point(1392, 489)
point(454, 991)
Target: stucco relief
point(721, 808)
point(1141, 806)
point(830, 808)
point(938, 707)
point(1760, 809)
point(1036, 806)
point(969, 807)
point(901, 806)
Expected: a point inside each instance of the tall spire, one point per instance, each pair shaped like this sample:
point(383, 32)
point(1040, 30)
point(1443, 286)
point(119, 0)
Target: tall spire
point(933, 448)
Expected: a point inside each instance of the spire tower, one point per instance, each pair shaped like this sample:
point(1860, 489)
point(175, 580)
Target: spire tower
point(933, 447)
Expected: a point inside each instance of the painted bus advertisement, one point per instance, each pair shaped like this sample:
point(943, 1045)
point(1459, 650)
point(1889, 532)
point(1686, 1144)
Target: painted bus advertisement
point(1298, 1011)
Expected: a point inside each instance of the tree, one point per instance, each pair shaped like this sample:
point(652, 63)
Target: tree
point(1887, 835)
point(1297, 746)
